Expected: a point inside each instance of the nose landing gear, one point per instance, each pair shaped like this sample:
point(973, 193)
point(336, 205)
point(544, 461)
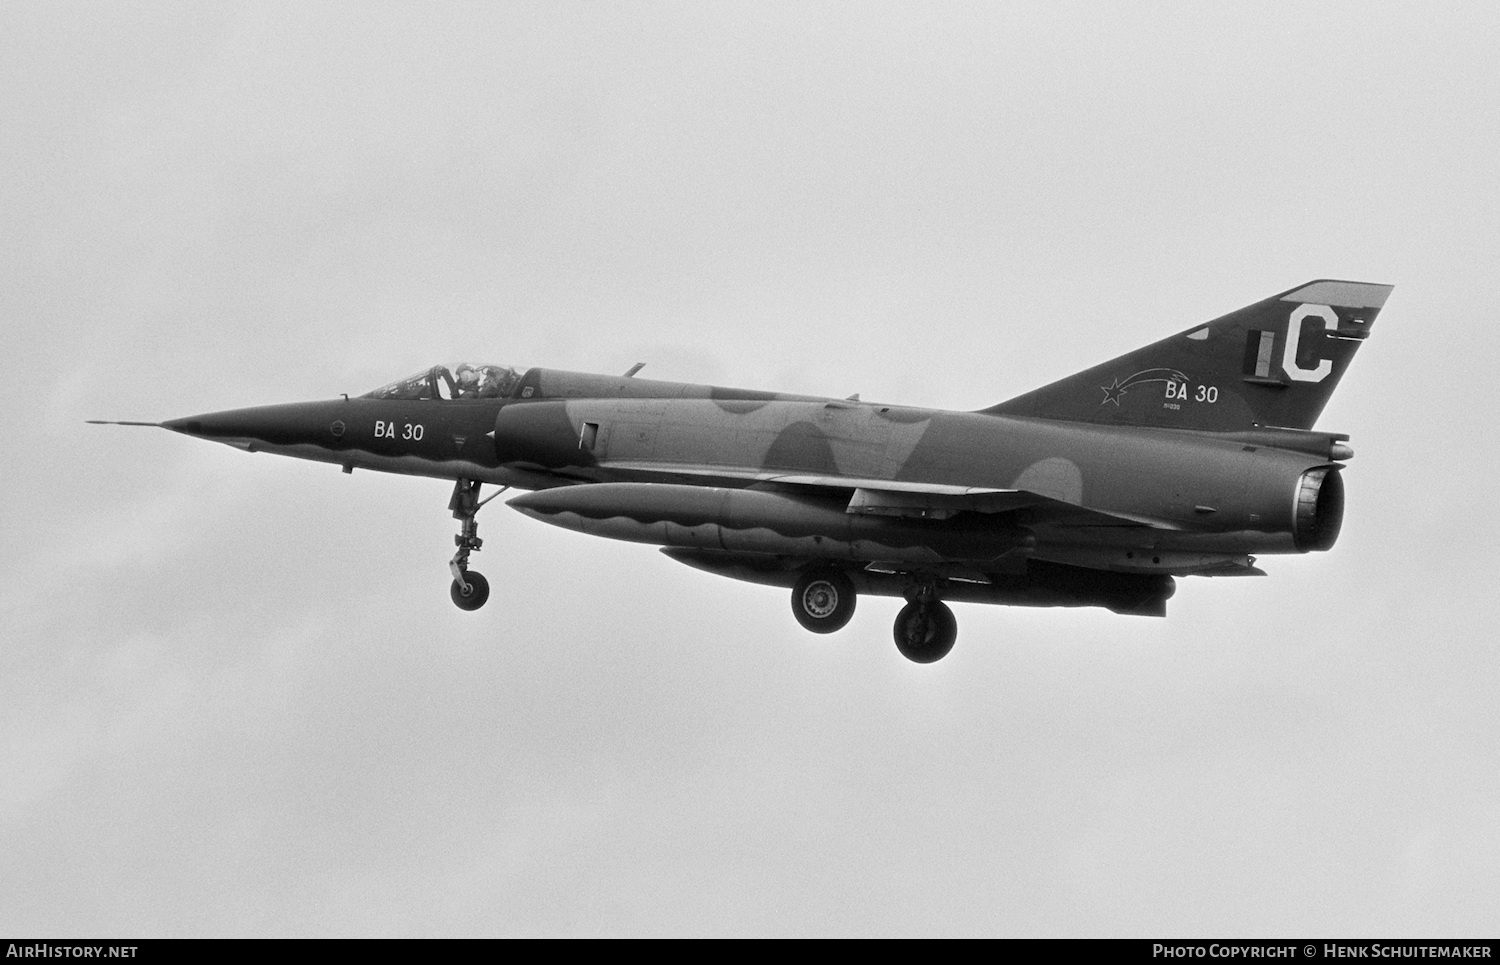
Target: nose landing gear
point(469, 590)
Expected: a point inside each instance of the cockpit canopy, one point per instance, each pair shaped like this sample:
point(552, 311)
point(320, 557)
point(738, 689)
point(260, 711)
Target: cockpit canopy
point(463, 381)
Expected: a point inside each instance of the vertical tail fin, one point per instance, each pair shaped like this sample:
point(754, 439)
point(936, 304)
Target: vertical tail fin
point(1274, 363)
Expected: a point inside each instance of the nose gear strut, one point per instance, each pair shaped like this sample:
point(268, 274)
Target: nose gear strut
point(469, 590)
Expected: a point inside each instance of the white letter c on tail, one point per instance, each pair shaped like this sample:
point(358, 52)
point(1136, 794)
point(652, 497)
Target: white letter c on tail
point(1320, 371)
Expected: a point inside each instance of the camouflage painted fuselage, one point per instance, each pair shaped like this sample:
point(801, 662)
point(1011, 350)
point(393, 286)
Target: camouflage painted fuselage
point(950, 482)
point(1184, 457)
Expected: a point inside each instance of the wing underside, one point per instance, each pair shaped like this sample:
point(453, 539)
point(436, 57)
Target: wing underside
point(889, 497)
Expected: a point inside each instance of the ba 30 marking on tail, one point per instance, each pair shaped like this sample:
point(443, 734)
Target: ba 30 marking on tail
point(1175, 380)
point(1053, 498)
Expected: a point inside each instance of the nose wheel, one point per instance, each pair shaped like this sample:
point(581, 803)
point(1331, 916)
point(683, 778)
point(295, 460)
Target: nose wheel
point(469, 590)
point(471, 593)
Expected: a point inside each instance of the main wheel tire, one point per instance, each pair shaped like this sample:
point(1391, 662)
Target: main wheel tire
point(479, 591)
point(823, 600)
point(925, 632)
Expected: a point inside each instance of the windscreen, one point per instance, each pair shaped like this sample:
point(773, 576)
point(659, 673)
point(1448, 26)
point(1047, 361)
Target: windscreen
point(463, 381)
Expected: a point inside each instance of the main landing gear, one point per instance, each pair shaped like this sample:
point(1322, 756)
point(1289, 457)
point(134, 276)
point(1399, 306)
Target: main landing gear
point(469, 590)
point(925, 632)
point(823, 601)
point(925, 628)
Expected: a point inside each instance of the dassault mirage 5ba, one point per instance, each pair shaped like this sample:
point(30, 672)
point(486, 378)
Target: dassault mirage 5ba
point(1188, 457)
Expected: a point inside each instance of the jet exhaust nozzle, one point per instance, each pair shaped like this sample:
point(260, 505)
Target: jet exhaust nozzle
point(1320, 509)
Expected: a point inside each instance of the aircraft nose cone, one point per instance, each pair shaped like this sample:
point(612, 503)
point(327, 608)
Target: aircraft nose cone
point(191, 426)
point(266, 425)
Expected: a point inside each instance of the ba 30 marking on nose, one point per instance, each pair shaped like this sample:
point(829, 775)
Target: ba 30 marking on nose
point(409, 431)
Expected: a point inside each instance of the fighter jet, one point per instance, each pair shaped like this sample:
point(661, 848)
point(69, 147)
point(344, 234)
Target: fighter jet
point(1188, 457)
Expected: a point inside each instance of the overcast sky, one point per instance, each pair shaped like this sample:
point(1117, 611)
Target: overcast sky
point(236, 700)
